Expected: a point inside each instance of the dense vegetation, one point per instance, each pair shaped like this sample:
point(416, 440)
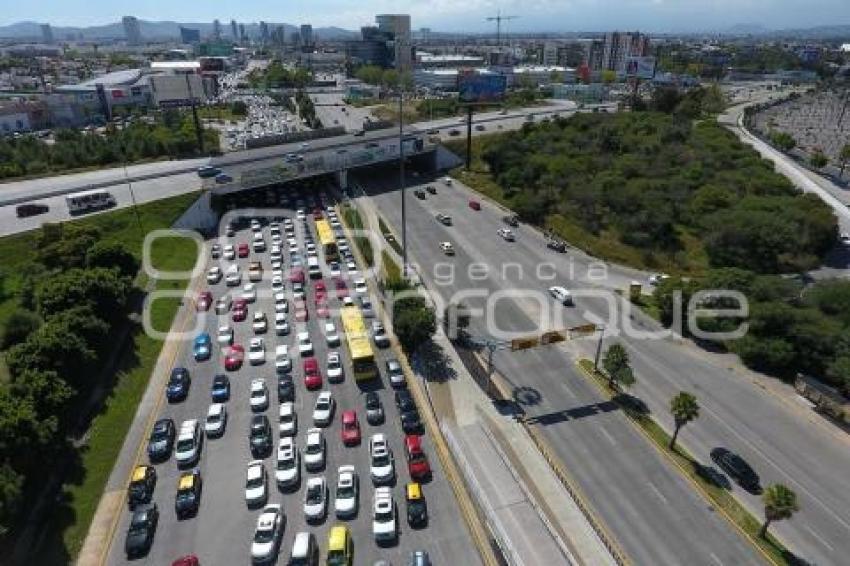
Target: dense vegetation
point(307, 110)
point(171, 135)
point(276, 75)
point(792, 328)
point(73, 299)
point(662, 184)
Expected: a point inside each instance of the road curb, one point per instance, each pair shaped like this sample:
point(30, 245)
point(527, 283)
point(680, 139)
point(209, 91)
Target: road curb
point(684, 473)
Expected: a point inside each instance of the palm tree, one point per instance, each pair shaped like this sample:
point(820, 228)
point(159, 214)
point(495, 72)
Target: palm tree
point(684, 408)
point(780, 502)
point(616, 359)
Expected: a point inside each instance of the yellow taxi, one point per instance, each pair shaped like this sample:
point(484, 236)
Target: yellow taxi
point(142, 483)
point(340, 547)
point(188, 497)
point(417, 508)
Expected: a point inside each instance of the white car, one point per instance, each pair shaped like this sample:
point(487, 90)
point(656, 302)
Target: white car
point(298, 290)
point(507, 234)
point(360, 286)
point(331, 334)
point(259, 397)
point(288, 467)
point(657, 278)
point(323, 411)
point(233, 277)
point(281, 304)
point(277, 283)
point(216, 420)
point(334, 367)
point(347, 492)
point(379, 334)
point(314, 450)
point(249, 292)
point(229, 252)
point(281, 325)
point(259, 323)
point(384, 526)
point(334, 268)
point(299, 214)
point(562, 295)
point(282, 361)
point(305, 346)
point(351, 267)
point(256, 351)
point(293, 246)
point(381, 468)
point(267, 535)
point(225, 336)
point(316, 499)
point(447, 248)
point(347, 301)
point(214, 275)
point(255, 225)
point(256, 489)
point(288, 423)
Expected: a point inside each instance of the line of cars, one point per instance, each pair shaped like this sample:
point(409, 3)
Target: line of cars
point(186, 442)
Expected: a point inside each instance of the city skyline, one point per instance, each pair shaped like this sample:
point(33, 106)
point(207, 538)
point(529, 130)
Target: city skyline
point(449, 16)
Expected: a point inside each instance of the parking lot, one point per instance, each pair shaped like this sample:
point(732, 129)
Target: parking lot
point(222, 530)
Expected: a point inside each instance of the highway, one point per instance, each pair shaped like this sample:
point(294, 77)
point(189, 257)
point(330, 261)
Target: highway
point(655, 515)
point(222, 531)
point(754, 415)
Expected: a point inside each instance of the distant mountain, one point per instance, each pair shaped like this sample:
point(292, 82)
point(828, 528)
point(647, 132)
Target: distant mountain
point(157, 31)
point(746, 29)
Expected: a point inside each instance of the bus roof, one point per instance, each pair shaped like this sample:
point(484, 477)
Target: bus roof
point(323, 230)
point(356, 335)
point(87, 193)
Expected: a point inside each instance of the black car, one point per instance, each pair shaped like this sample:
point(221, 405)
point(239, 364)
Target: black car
point(557, 245)
point(374, 409)
point(431, 189)
point(142, 528)
point(161, 440)
point(511, 220)
point(737, 469)
point(30, 209)
point(188, 497)
point(142, 484)
point(420, 194)
point(260, 436)
point(285, 389)
point(220, 388)
point(178, 385)
point(410, 422)
point(404, 401)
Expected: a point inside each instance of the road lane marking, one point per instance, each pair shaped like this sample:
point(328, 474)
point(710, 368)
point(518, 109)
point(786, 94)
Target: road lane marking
point(607, 435)
point(818, 537)
point(657, 492)
point(716, 558)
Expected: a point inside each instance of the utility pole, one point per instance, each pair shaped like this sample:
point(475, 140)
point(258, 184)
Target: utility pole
point(198, 132)
point(401, 179)
point(469, 137)
point(598, 348)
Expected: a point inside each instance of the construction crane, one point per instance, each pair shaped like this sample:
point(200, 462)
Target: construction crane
point(499, 18)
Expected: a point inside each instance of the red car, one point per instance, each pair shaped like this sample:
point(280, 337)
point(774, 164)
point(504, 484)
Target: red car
point(312, 377)
point(301, 314)
point(238, 315)
point(297, 275)
point(202, 304)
point(188, 560)
point(320, 287)
point(242, 250)
point(322, 309)
point(474, 205)
point(233, 357)
point(350, 428)
point(341, 288)
point(240, 304)
point(417, 461)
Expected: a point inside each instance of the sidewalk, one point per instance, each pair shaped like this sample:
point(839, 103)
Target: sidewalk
point(528, 511)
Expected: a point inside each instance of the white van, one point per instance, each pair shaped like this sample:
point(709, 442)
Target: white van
point(305, 551)
point(187, 450)
point(313, 268)
point(233, 277)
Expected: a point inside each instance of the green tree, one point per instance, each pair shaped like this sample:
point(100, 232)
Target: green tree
point(684, 408)
point(665, 99)
point(616, 364)
point(844, 157)
point(780, 502)
point(11, 495)
point(414, 322)
point(608, 76)
point(20, 324)
point(818, 160)
point(103, 290)
point(112, 255)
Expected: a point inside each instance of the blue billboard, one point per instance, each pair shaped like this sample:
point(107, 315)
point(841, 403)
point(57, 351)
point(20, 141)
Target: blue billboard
point(474, 87)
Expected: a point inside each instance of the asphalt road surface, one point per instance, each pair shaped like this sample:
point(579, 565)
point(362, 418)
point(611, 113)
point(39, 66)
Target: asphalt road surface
point(656, 516)
point(755, 416)
point(222, 531)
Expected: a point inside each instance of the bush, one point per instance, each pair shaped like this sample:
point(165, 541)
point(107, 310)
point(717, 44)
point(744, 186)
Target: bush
point(20, 324)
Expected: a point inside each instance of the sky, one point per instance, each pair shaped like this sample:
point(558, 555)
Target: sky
point(452, 15)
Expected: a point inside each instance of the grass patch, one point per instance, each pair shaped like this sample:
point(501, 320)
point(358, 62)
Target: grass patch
point(688, 465)
point(352, 219)
point(389, 236)
point(69, 521)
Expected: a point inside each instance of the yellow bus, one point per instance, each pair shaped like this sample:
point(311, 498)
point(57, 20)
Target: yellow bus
point(327, 240)
point(359, 346)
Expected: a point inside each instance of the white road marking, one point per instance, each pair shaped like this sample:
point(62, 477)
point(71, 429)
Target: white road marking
point(657, 492)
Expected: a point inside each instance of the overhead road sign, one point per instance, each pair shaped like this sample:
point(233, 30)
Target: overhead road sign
point(476, 87)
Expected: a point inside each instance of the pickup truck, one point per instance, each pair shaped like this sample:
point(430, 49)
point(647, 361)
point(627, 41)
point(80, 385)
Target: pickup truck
point(255, 271)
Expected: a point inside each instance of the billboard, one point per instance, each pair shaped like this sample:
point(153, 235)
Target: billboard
point(474, 87)
point(177, 90)
point(640, 67)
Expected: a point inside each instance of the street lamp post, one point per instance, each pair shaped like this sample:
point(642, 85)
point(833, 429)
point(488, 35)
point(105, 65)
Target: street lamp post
point(401, 179)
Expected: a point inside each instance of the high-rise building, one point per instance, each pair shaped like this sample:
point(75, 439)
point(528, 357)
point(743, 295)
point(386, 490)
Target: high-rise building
point(216, 29)
point(264, 32)
point(189, 36)
point(306, 35)
point(616, 49)
point(46, 34)
point(132, 31)
point(398, 27)
point(242, 32)
point(234, 31)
